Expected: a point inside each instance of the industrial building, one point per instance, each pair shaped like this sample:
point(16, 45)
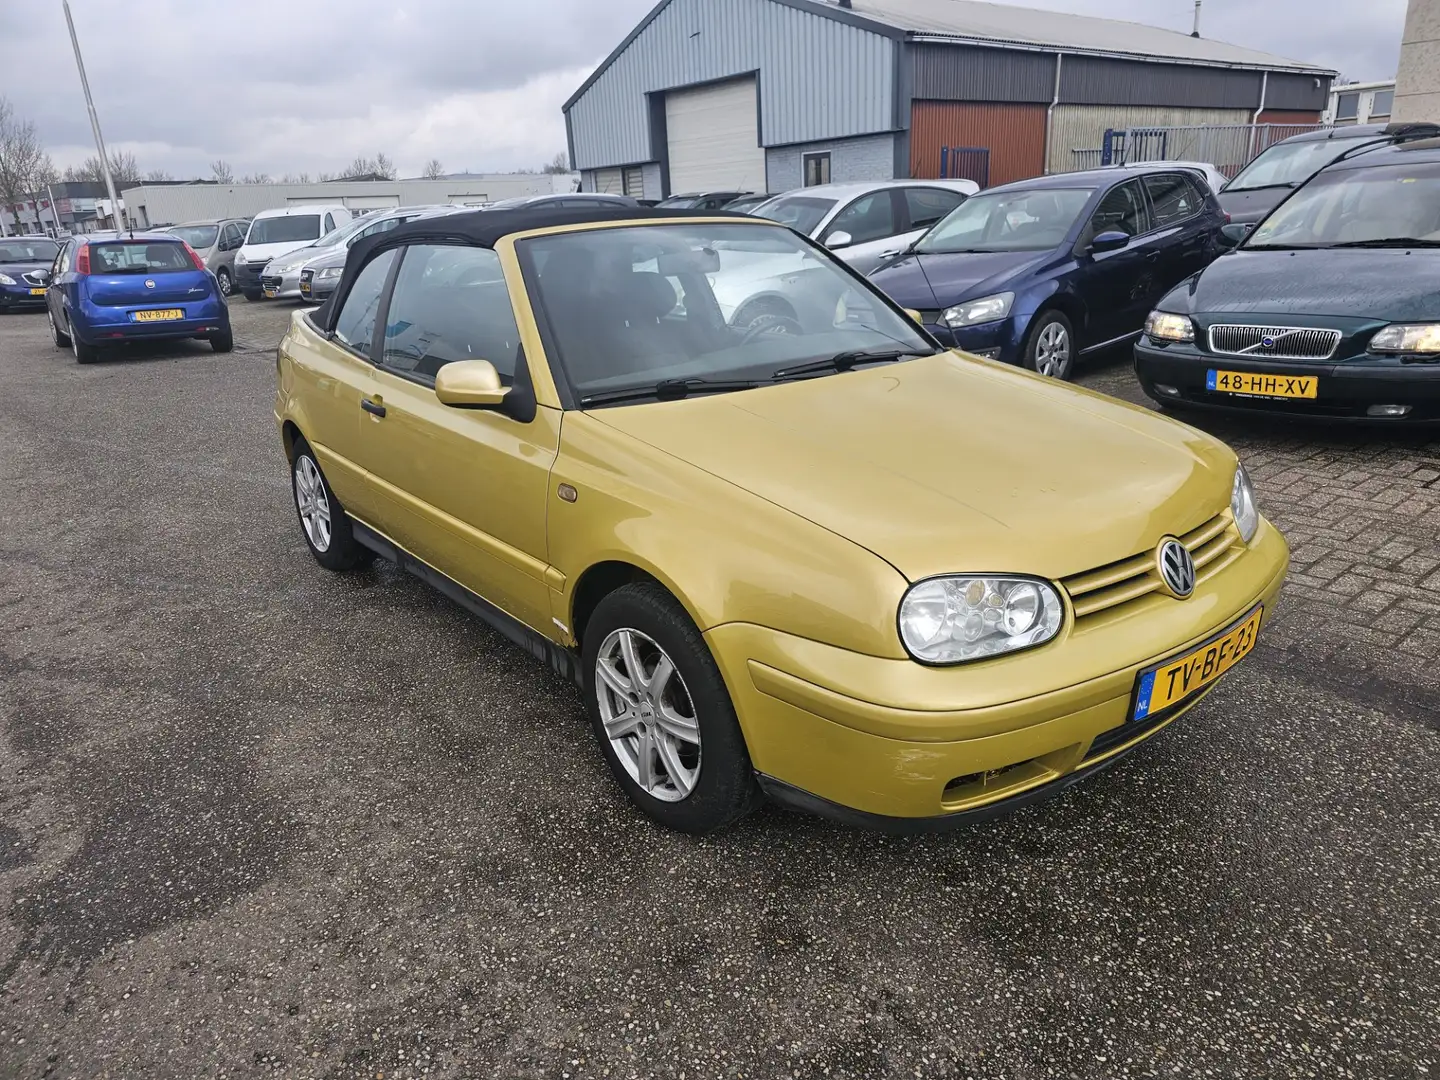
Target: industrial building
point(777, 94)
point(170, 203)
point(1360, 103)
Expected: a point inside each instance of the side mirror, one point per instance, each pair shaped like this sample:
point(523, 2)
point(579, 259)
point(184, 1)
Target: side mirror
point(43, 276)
point(1109, 240)
point(915, 316)
point(838, 239)
point(1233, 233)
point(470, 384)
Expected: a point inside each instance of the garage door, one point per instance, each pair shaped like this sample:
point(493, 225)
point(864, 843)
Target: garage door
point(713, 138)
point(610, 181)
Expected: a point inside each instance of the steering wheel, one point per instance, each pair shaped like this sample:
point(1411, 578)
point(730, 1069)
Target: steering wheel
point(770, 323)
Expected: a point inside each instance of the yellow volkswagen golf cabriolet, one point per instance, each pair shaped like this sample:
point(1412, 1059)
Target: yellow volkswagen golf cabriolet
point(785, 544)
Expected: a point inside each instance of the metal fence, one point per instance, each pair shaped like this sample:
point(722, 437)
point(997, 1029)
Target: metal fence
point(1229, 147)
point(965, 163)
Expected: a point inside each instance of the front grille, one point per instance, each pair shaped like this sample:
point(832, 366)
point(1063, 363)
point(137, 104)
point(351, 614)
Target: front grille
point(271, 281)
point(306, 276)
point(1213, 546)
point(1285, 342)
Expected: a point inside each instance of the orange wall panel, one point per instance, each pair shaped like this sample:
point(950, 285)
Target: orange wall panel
point(1014, 135)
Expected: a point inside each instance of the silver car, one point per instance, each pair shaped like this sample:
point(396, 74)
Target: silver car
point(321, 272)
point(865, 224)
point(283, 272)
point(216, 241)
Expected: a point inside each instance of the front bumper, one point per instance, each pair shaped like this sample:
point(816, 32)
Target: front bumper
point(247, 276)
point(281, 286)
point(1003, 340)
point(316, 289)
point(1347, 387)
point(21, 296)
point(903, 747)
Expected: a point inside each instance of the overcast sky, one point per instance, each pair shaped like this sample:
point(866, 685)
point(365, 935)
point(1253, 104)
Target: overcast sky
point(288, 87)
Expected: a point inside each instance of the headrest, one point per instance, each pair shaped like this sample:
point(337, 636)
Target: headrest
point(646, 295)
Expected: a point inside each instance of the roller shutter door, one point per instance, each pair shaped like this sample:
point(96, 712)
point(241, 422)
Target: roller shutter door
point(610, 181)
point(714, 138)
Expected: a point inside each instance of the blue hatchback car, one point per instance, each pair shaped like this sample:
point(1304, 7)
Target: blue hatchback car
point(24, 265)
point(1042, 271)
point(114, 288)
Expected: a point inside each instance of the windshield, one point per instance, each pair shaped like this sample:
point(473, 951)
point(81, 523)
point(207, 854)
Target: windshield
point(19, 249)
point(138, 257)
point(1035, 219)
point(635, 306)
point(341, 233)
point(1290, 164)
point(198, 237)
point(803, 213)
point(678, 202)
point(284, 230)
point(1357, 206)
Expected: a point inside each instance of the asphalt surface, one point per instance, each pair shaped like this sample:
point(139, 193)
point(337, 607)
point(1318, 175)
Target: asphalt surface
point(258, 820)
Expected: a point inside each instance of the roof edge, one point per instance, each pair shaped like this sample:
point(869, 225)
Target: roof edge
point(935, 37)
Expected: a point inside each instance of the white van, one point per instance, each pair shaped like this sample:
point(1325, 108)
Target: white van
point(275, 232)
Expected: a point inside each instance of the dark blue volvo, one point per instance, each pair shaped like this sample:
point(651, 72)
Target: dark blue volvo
point(1042, 271)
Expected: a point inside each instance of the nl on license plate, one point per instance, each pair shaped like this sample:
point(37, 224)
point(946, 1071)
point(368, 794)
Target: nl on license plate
point(1179, 677)
point(159, 315)
point(1258, 384)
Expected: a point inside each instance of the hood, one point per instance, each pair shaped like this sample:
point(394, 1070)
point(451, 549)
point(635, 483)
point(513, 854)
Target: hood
point(1248, 207)
point(939, 281)
point(327, 257)
point(949, 464)
point(1364, 283)
point(259, 253)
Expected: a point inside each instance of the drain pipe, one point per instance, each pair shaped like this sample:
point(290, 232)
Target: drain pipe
point(1264, 85)
point(1050, 112)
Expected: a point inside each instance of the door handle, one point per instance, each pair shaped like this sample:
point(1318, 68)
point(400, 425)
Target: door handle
point(889, 254)
point(374, 408)
point(1152, 255)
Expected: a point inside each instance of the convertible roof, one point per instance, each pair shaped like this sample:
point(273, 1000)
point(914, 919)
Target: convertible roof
point(485, 228)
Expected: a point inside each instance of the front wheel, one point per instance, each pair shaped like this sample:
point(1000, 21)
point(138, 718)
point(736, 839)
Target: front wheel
point(226, 285)
point(253, 295)
point(1050, 347)
point(662, 714)
point(323, 520)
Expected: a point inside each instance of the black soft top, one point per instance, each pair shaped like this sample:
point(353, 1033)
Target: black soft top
point(485, 228)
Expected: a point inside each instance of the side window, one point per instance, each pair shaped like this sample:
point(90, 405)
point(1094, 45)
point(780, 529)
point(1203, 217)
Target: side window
point(329, 224)
point(929, 205)
point(1122, 209)
point(1172, 199)
point(355, 327)
point(60, 263)
point(450, 303)
point(870, 217)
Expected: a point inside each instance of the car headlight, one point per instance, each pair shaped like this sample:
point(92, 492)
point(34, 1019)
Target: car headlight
point(986, 309)
point(1163, 326)
point(240, 259)
point(328, 272)
point(948, 620)
point(6, 279)
point(1242, 505)
point(1407, 338)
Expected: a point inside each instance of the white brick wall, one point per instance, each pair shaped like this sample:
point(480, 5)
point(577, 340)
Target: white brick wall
point(870, 157)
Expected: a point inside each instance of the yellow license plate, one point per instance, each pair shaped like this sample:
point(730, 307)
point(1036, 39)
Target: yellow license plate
point(270, 292)
point(1257, 384)
point(1174, 680)
point(159, 315)
point(37, 292)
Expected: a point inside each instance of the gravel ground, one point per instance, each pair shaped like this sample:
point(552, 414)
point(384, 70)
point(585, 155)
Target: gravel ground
point(257, 820)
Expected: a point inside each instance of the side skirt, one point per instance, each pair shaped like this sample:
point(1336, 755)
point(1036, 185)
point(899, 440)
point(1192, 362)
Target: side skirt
point(560, 660)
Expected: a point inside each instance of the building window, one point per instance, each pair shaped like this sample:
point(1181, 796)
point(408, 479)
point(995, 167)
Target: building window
point(817, 168)
point(1347, 106)
point(633, 182)
point(1383, 104)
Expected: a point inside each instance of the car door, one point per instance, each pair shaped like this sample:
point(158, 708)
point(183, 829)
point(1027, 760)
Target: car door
point(870, 221)
point(1178, 211)
point(1116, 286)
point(467, 487)
point(334, 379)
point(55, 287)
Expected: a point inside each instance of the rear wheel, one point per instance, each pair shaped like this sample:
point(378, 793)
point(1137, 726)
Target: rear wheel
point(1050, 345)
point(323, 521)
point(84, 354)
point(222, 342)
point(61, 339)
point(227, 286)
point(661, 713)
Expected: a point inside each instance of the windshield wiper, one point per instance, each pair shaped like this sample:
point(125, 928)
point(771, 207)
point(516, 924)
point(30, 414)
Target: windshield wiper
point(670, 390)
point(844, 361)
point(1390, 242)
point(1261, 187)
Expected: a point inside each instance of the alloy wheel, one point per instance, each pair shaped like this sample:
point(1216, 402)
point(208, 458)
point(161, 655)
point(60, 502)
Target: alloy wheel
point(648, 715)
point(226, 288)
point(313, 503)
point(1052, 351)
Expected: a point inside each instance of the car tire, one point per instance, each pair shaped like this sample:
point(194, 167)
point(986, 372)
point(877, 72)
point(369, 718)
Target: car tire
point(253, 295)
point(84, 354)
point(222, 342)
point(673, 743)
point(61, 339)
point(323, 521)
point(227, 286)
point(1050, 346)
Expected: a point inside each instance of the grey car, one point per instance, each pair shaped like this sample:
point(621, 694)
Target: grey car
point(318, 275)
point(216, 241)
point(282, 274)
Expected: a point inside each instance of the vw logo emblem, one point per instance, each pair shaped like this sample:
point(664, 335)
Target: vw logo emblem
point(1177, 569)
point(1267, 343)
point(149, 283)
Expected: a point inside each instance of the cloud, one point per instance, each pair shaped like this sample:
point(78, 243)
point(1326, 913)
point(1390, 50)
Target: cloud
point(271, 86)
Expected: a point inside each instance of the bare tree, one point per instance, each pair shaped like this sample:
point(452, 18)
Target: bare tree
point(157, 174)
point(560, 163)
point(124, 169)
point(433, 169)
point(324, 177)
point(384, 166)
point(221, 171)
point(24, 164)
point(256, 178)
